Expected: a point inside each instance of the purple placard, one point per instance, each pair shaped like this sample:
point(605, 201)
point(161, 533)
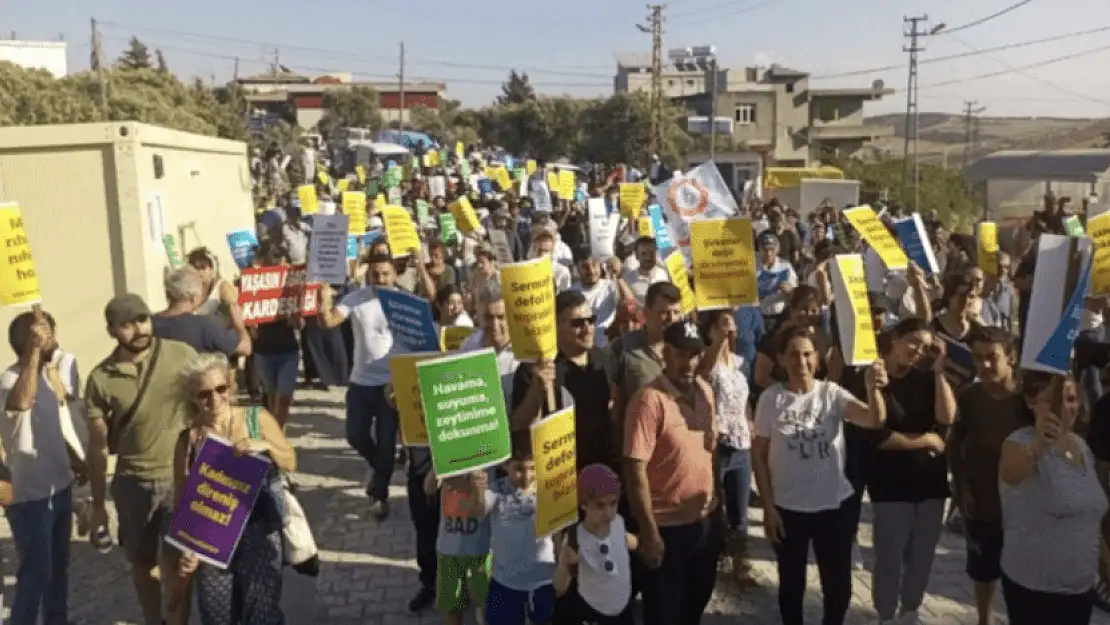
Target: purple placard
point(216, 503)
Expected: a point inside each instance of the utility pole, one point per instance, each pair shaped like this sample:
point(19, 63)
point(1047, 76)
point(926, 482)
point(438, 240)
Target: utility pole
point(655, 27)
point(97, 64)
point(401, 91)
point(713, 111)
point(971, 123)
point(914, 28)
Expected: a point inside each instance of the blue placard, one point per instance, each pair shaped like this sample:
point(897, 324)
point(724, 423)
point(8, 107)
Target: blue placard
point(662, 235)
point(485, 186)
point(352, 246)
point(371, 236)
point(911, 234)
point(410, 320)
point(1056, 352)
point(242, 244)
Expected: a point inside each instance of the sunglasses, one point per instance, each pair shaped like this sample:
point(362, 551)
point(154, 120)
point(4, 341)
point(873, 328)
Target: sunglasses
point(211, 393)
point(582, 322)
point(607, 564)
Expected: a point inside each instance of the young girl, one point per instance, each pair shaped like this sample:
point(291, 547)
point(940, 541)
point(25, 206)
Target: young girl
point(596, 552)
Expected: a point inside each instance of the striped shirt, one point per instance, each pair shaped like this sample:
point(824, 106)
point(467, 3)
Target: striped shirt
point(1051, 523)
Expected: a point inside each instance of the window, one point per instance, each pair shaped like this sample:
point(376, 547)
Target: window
point(690, 82)
point(744, 114)
point(670, 83)
point(790, 87)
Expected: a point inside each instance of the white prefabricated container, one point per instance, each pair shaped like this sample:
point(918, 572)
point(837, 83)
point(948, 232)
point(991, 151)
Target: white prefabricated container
point(97, 200)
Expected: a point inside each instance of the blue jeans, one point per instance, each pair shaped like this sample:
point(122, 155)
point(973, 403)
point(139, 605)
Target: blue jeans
point(41, 532)
point(735, 467)
point(278, 372)
point(372, 432)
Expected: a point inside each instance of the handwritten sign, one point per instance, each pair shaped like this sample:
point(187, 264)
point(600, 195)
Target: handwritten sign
point(19, 282)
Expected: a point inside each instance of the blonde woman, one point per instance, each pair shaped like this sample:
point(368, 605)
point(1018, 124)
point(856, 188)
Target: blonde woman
point(249, 591)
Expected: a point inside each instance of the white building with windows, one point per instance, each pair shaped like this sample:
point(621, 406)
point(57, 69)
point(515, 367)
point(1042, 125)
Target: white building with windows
point(774, 111)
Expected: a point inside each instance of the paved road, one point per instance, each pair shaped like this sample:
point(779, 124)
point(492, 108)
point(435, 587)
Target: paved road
point(368, 572)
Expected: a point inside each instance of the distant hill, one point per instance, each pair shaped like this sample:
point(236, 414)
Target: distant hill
point(942, 133)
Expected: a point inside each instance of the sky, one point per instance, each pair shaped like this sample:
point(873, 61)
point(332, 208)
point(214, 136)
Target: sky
point(569, 47)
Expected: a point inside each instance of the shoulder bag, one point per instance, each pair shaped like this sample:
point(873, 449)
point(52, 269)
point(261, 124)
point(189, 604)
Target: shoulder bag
point(116, 427)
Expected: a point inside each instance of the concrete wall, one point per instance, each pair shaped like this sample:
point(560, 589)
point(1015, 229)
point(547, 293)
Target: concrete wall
point(95, 211)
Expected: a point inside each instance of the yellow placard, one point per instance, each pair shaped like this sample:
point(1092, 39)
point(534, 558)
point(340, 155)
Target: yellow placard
point(342, 185)
point(504, 179)
point(19, 283)
point(490, 171)
point(566, 185)
point(644, 227)
point(354, 207)
point(676, 269)
point(460, 149)
point(360, 171)
point(427, 160)
point(868, 225)
point(553, 182)
point(853, 311)
point(790, 177)
point(529, 290)
point(379, 203)
point(529, 167)
point(632, 199)
point(553, 445)
point(724, 263)
point(322, 175)
point(306, 193)
point(451, 338)
point(1098, 229)
point(400, 231)
point(406, 396)
point(986, 236)
point(465, 217)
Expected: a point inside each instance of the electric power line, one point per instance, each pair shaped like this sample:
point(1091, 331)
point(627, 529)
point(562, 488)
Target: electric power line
point(963, 55)
point(719, 16)
point(1015, 70)
point(361, 74)
point(984, 20)
point(1036, 79)
point(346, 53)
point(711, 8)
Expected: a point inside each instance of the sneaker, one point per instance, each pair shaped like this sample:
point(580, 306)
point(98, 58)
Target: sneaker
point(1102, 597)
point(908, 617)
point(857, 557)
point(424, 598)
point(82, 509)
point(380, 509)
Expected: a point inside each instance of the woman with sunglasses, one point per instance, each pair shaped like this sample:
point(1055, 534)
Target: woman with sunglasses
point(249, 590)
point(1052, 507)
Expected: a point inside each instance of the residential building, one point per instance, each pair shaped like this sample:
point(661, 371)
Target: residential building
point(774, 111)
point(47, 55)
point(283, 92)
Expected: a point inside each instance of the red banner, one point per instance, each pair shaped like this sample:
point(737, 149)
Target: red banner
point(270, 293)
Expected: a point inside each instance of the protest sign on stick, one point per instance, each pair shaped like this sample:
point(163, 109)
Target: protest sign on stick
point(406, 396)
point(269, 293)
point(529, 292)
point(216, 501)
point(724, 263)
point(874, 232)
point(464, 408)
point(853, 310)
point(553, 446)
point(19, 282)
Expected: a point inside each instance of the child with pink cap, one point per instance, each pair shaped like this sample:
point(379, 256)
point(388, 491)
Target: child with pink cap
point(593, 575)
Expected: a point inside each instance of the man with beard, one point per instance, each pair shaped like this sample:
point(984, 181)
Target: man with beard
point(44, 453)
point(135, 410)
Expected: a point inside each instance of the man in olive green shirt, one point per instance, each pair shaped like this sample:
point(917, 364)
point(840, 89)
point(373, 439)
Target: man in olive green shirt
point(140, 425)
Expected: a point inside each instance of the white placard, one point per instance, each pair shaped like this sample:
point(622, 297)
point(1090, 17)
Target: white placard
point(603, 228)
point(327, 253)
point(1046, 302)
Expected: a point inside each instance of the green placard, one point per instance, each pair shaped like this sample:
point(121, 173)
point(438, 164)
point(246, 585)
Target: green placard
point(392, 178)
point(448, 229)
point(520, 173)
point(464, 408)
point(372, 189)
point(464, 168)
point(1074, 226)
point(421, 212)
point(172, 254)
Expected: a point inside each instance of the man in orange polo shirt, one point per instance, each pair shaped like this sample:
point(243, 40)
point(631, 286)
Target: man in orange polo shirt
point(670, 442)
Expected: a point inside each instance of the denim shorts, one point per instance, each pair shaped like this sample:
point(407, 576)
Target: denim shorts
point(278, 372)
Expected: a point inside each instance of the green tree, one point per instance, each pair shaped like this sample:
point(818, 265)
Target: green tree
point(618, 130)
point(516, 90)
point(136, 56)
point(942, 190)
point(162, 67)
point(356, 107)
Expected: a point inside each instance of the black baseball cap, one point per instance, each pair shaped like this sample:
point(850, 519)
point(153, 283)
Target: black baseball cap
point(124, 309)
point(683, 335)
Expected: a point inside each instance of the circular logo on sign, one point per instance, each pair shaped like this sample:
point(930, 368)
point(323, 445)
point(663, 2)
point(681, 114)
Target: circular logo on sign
point(688, 197)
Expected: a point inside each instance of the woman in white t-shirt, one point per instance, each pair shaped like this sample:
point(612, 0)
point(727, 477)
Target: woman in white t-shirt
point(798, 460)
point(450, 309)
